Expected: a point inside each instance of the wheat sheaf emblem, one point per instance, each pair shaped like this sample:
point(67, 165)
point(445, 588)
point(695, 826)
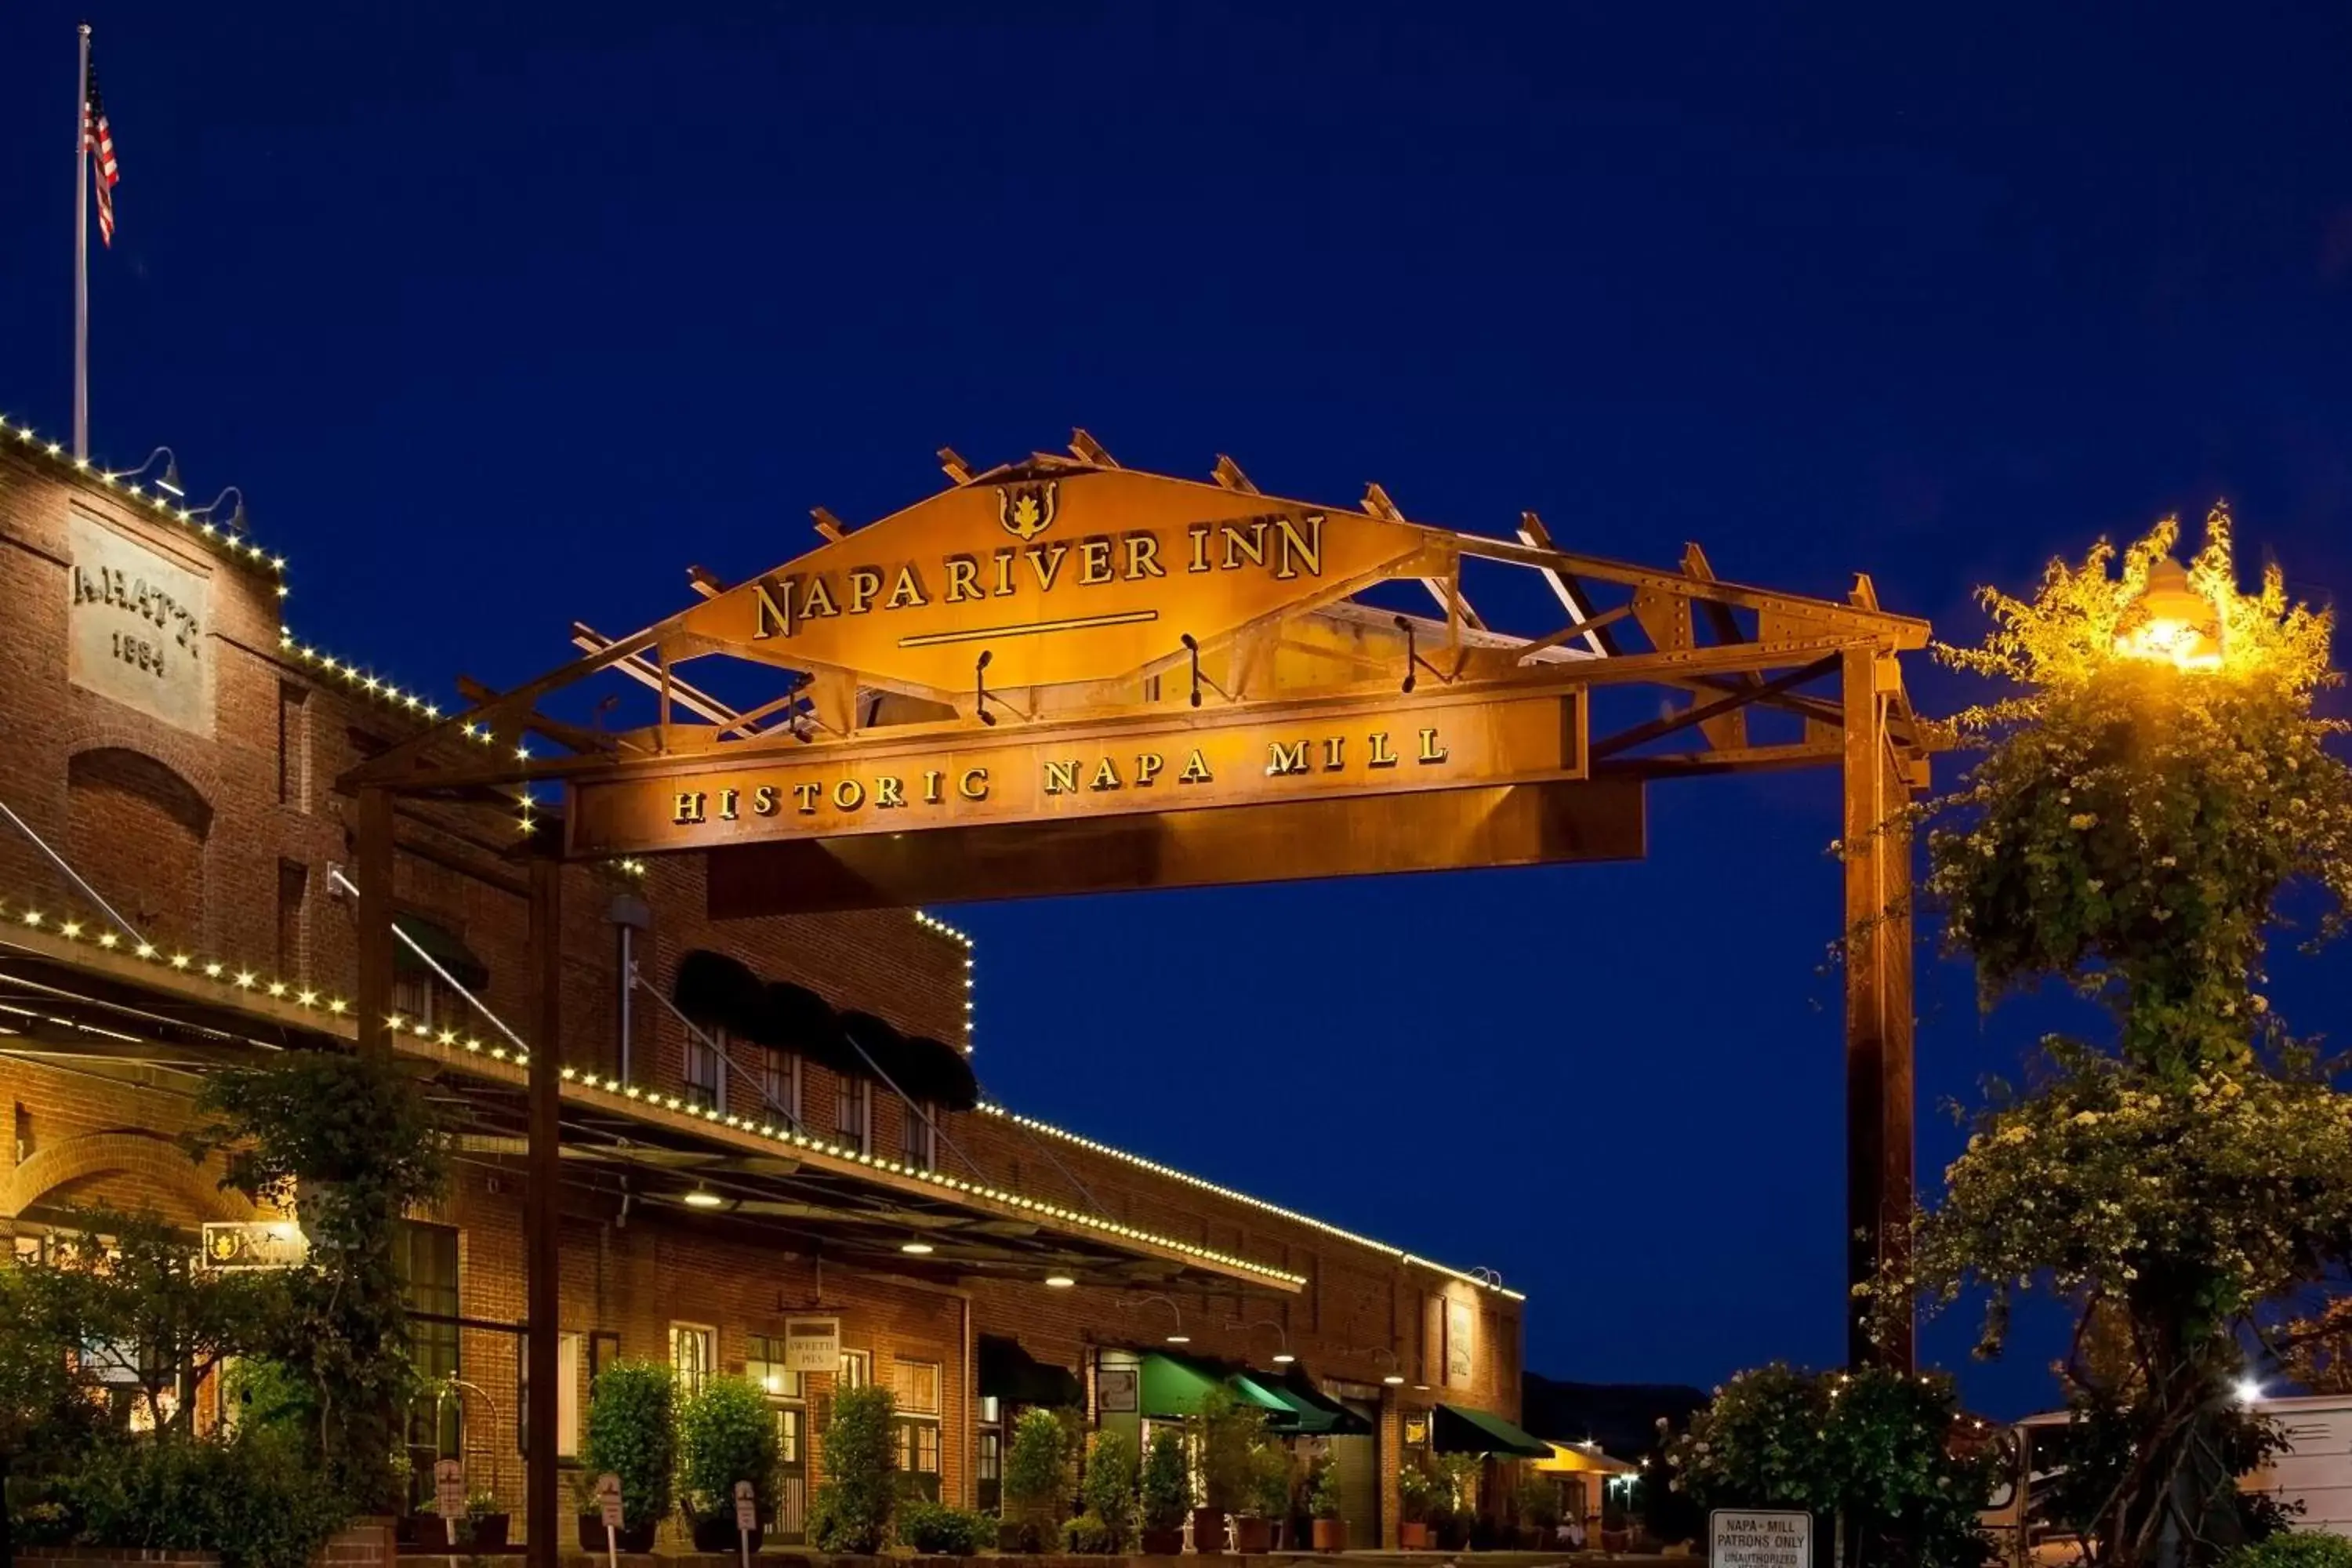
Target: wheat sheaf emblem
point(1026, 510)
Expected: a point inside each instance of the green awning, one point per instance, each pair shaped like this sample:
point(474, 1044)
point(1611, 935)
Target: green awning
point(1458, 1429)
point(448, 950)
point(1282, 1414)
point(1172, 1384)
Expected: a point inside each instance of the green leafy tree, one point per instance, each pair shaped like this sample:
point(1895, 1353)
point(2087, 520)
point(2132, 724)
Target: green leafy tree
point(1873, 1450)
point(853, 1506)
point(633, 1434)
point(1167, 1481)
point(1035, 1480)
point(1226, 1433)
point(1109, 1489)
point(726, 1434)
point(351, 1144)
point(2128, 830)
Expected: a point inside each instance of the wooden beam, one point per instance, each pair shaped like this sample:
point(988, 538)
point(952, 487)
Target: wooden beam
point(1087, 449)
point(1229, 474)
point(828, 525)
point(952, 464)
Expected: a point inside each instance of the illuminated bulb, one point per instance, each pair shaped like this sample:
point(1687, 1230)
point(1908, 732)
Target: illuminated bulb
point(916, 1248)
point(1283, 1359)
point(704, 1198)
point(1394, 1379)
point(1180, 1339)
point(1058, 1281)
point(109, 939)
point(2247, 1390)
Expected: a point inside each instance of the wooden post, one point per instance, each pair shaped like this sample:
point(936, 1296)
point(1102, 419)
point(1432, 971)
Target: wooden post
point(1878, 1090)
point(374, 873)
point(542, 1211)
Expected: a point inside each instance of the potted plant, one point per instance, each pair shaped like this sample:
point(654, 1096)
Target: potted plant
point(852, 1509)
point(1416, 1497)
point(633, 1434)
point(1167, 1493)
point(1323, 1503)
point(1110, 1486)
point(1087, 1536)
point(726, 1434)
point(1225, 1431)
point(934, 1530)
point(486, 1522)
point(1538, 1506)
point(1034, 1481)
point(1268, 1502)
point(432, 1531)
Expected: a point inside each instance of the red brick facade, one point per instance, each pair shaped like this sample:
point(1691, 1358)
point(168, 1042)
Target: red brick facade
point(217, 841)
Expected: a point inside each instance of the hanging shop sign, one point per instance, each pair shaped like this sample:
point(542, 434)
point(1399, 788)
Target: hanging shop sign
point(136, 623)
point(233, 1245)
point(813, 1344)
point(1154, 764)
point(1060, 575)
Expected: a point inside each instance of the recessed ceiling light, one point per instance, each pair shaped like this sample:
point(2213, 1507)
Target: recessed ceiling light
point(1058, 1281)
point(704, 1198)
point(917, 1248)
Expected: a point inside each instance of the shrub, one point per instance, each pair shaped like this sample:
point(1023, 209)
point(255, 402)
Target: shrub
point(1089, 1534)
point(253, 1499)
point(852, 1509)
point(1416, 1494)
point(1035, 1469)
point(938, 1531)
point(2293, 1548)
point(632, 1433)
point(1226, 1432)
point(1323, 1496)
point(1269, 1493)
point(1539, 1503)
point(1166, 1482)
point(726, 1434)
point(1110, 1486)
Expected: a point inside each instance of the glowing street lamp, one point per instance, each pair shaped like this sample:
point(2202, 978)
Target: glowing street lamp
point(2171, 622)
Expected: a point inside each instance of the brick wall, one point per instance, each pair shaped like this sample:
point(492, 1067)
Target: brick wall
point(222, 842)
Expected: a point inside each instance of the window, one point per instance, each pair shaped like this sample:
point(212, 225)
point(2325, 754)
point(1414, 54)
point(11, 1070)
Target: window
point(293, 746)
point(763, 1363)
point(916, 1386)
point(919, 1456)
point(918, 1140)
point(853, 1109)
point(779, 1083)
point(991, 1410)
point(419, 994)
point(693, 1355)
point(706, 1074)
point(567, 1396)
point(426, 1257)
point(992, 1468)
point(293, 893)
point(857, 1369)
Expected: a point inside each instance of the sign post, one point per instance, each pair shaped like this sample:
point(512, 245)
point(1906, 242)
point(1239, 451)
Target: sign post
point(1747, 1537)
point(449, 1499)
point(747, 1517)
point(608, 1503)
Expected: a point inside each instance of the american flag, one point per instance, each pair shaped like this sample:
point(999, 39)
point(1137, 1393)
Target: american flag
point(98, 137)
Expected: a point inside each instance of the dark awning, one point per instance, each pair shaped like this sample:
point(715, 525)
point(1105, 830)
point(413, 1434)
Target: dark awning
point(794, 1018)
point(1337, 1420)
point(1008, 1372)
point(1458, 1429)
point(448, 950)
point(719, 992)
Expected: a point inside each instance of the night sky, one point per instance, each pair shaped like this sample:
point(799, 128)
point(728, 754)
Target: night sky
point(502, 315)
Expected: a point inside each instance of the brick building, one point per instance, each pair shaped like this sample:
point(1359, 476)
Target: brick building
point(740, 1177)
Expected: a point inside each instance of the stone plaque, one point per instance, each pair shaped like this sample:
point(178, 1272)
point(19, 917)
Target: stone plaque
point(136, 625)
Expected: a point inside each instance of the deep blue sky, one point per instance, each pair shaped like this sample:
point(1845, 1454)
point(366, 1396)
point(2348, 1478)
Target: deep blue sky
point(503, 314)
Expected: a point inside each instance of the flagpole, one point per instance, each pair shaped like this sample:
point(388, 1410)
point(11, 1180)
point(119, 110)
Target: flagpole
point(81, 254)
